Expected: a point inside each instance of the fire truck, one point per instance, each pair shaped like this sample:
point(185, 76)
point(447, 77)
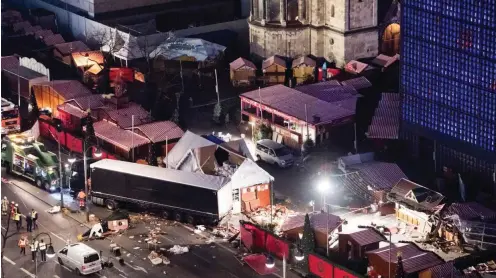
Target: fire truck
point(24, 156)
point(11, 121)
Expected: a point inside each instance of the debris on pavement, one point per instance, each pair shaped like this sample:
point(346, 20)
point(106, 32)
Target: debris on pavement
point(280, 213)
point(201, 228)
point(54, 209)
point(155, 258)
point(178, 250)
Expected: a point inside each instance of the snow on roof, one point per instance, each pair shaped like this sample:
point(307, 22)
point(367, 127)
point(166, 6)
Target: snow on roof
point(182, 177)
point(241, 62)
point(161, 131)
point(292, 103)
point(187, 142)
point(199, 49)
point(248, 174)
point(117, 136)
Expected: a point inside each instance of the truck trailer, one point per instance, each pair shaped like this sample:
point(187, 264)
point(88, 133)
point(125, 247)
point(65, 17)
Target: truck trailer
point(181, 195)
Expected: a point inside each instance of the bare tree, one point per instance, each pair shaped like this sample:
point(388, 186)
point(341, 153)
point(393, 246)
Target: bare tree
point(5, 236)
point(109, 40)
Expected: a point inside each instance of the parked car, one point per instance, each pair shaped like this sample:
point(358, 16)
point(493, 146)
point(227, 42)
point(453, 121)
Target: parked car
point(274, 153)
point(81, 258)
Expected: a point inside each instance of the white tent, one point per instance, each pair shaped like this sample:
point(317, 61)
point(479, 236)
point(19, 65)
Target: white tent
point(188, 142)
point(249, 174)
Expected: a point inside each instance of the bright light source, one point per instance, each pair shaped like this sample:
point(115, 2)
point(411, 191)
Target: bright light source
point(299, 254)
point(270, 263)
point(324, 185)
point(52, 188)
point(50, 252)
point(312, 203)
point(300, 235)
point(251, 123)
point(71, 159)
point(66, 165)
point(98, 153)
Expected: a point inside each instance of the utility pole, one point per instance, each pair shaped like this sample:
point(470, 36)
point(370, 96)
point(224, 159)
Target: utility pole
point(61, 175)
point(132, 138)
point(217, 86)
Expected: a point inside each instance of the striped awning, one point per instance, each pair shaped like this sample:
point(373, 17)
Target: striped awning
point(386, 121)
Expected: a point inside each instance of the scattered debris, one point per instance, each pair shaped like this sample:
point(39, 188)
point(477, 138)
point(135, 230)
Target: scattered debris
point(131, 236)
point(155, 258)
point(201, 228)
point(177, 250)
point(54, 209)
point(137, 247)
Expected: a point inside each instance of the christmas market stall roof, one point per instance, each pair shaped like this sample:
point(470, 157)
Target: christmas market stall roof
point(318, 221)
point(294, 103)
point(9, 62)
point(200, 50)
point(68, 48)
point(303, 61)
point(248, 174)
point(364, 237)
point(362, 174)
point(86, 58)
point(445, 270)
point(175, 176)
point(242, 62)
point(124, 116)
point(357, 83)
point(187, 142)
point(356, 67)
point(160, 131)
point(332, 91)
point(53, 40)
point(385, 61)
point(416, 196)
point(72, 110)
point(386, 120)
point(117, 136)
point(67, 89)
point(273, 60)
point(470, 211)
point(87, 102)
point(414, 258)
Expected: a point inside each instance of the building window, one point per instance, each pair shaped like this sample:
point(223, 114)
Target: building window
point(332, 10)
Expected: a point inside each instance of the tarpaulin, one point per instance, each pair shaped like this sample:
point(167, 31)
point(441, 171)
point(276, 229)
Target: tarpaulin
point(277, 247)
point(246, 237)
point(319, 267)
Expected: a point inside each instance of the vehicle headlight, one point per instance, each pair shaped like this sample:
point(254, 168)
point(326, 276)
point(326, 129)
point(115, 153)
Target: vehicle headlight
point(52, 188)
point(43, 173)
point(283, 162)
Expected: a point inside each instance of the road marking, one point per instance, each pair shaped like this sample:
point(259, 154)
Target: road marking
point(56, 276)
point(9, 260)
point(136, 267)
point(28, 273)
point(192, 230)
point(122, 275)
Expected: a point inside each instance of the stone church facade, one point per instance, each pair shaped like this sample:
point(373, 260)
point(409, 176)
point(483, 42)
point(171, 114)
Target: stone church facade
point(338, 30)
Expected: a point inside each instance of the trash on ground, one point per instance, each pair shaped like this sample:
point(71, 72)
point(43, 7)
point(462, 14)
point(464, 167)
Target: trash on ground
point(201, 228)
point(54, 209)
point(131, 236)
point(137, 247)
point(177, 250)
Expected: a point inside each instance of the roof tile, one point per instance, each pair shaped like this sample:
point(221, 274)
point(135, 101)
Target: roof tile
point(240, 62)
point(71, 47)
point(123, 117)
point(117, 136)
point(161, 131)
point(53, 39)
point(273, 60)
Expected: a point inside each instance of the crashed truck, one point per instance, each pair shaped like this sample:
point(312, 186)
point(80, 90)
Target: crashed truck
point(180, 195)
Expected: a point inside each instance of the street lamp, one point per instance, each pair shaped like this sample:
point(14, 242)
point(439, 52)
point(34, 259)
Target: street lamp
point(323, 187)
point(270, 262)
point(97, 154)
point(50, 252)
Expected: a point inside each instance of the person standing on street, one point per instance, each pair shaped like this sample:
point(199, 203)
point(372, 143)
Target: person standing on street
point(17, 219)
point(42, 248)
point(34, 216)
point(34, 247)
point(82, 200)
point(22, 244)
point(12, 210)
point(5, 206)
point(29, 223)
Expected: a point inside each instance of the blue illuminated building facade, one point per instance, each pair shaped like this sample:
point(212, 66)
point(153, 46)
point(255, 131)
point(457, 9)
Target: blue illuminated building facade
point(448, 83)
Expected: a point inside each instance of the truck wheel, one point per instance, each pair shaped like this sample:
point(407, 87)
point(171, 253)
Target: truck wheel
point(46, 185)
point(38, 182)
point(178, 217)
point(190, 219)
point(165, 214)
point(111, 204)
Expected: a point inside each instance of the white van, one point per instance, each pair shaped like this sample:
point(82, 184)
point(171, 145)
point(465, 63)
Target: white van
point(81, 258)
point(274, 153)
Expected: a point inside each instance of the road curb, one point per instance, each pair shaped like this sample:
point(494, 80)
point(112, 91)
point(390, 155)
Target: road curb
point(41, 199)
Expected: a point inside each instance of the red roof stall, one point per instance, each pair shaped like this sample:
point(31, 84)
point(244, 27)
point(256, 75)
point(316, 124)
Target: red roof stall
point(54, 93)
point(386, 120)
point(63, 51)
point(72, 111)
point(121, 141)
point(164, 133)
point(295, 115)
point(124, 117)
point(353, 245)
point(414, 259)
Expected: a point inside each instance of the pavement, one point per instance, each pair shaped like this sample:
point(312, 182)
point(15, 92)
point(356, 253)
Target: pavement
point(204, 259)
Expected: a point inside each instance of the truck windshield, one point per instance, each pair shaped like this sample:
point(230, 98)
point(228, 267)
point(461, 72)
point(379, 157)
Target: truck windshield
point(282, 151)
point(91, 258)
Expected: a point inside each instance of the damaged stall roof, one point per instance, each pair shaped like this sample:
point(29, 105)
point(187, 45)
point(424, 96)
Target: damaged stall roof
point(176, 176)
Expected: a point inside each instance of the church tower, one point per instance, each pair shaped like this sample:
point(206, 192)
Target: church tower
point(338, 30)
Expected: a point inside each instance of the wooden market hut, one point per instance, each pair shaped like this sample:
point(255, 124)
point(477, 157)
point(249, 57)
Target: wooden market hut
point(63, 51)
point(54, 39)
point(50, 95)
point(303, 69)
point(242, 71)
point(274, 70)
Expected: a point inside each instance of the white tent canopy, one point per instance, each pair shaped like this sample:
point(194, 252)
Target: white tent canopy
point(199, 49)
point(249, 174)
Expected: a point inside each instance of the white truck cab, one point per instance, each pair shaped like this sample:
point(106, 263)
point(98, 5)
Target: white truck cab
point(274, 153)
point(81, 258)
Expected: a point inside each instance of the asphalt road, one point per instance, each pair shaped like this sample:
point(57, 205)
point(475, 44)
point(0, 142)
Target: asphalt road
point(204, 259)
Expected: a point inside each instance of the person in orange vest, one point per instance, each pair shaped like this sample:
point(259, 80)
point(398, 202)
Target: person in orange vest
point(82, 199)
point(22, 244)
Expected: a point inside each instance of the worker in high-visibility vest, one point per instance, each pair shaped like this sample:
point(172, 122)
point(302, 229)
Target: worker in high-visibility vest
point(82, 199)
point(34, 216)
point(22, 244)
point(17, 219)
point(5, 205)
point(34, 248)
point(12, 210)
point(42, 246)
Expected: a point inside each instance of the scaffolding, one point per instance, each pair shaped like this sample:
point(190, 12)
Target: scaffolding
point(476, 233)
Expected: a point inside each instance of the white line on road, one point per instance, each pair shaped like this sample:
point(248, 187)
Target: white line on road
point(9, 260)
point(122, 275)
point(56, 276)
point(63, 266)
point(28, 273)
point(136, 267)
